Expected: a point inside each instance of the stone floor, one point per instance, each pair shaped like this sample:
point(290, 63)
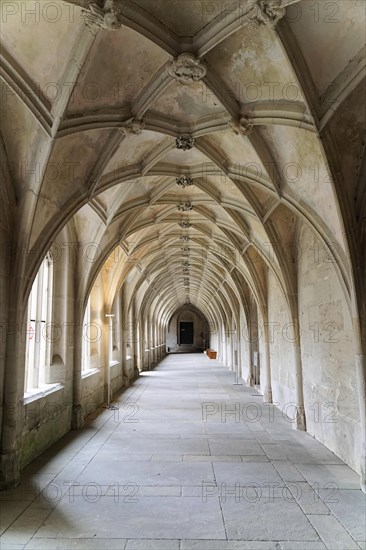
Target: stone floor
point(173, 468)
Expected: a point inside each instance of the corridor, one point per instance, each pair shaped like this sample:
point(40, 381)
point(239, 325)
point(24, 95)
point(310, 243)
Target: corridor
point(187, 460)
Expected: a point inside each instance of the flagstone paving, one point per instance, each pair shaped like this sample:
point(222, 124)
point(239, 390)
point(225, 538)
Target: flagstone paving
point(187, 461)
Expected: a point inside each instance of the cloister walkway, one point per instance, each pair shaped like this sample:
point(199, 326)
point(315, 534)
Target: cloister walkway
point(187, 460)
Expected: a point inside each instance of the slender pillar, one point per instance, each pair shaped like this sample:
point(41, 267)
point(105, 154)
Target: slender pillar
point(300, 421)
point(9, 458)
point(250, 379)
point(267, 392)
point(77, 417)
point(109, 356)
point(360, 361)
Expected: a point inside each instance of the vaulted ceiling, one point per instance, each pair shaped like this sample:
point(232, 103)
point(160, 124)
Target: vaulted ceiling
point(256, 108)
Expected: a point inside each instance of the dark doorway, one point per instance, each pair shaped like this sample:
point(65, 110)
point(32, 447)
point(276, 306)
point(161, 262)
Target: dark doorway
point(186, 332)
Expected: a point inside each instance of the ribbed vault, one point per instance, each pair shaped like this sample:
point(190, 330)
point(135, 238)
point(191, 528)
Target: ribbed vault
point(111, 163)
point(184, 150)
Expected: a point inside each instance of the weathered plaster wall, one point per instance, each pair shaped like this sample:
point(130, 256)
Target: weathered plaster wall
point(327, 352)
point(281, 347)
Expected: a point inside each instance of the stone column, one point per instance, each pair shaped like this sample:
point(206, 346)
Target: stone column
point(9, 471)
point(154, 355)
point(148, 343)
point(360, 361)
point(125, 336)
point(120, 334)
point(232, 352)
point(267, 393)
point(237, 344)
point(223, 344)
point(12, 403)
point(108, 348)
point(77, 418)
point(250, 379)
point(300, 420)
point(134, 338)
point(159, 343)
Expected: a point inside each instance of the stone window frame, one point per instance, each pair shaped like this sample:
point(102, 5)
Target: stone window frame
point(85, 342)
point(39, 316)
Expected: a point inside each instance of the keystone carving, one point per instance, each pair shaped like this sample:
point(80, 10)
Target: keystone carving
point(185, 142)
point(133, 127)
point(185, 238)
point(185, 207)
point(184, 181)
point(185, 225)
point(268, 12)
point(185, 249)
point(105, 17)
point(187, 69)
point(244, 127)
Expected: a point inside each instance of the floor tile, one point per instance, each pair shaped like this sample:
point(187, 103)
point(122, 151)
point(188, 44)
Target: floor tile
point(172, 481)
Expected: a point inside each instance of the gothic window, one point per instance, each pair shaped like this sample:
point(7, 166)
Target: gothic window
point(38, 330)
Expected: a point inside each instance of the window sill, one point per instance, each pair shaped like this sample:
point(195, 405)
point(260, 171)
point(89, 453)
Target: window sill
point(39, 393)
point(113, 363)
point(89, 372)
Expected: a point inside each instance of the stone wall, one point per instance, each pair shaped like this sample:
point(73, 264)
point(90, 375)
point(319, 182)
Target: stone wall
point(327, 353)
point(281, 346)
